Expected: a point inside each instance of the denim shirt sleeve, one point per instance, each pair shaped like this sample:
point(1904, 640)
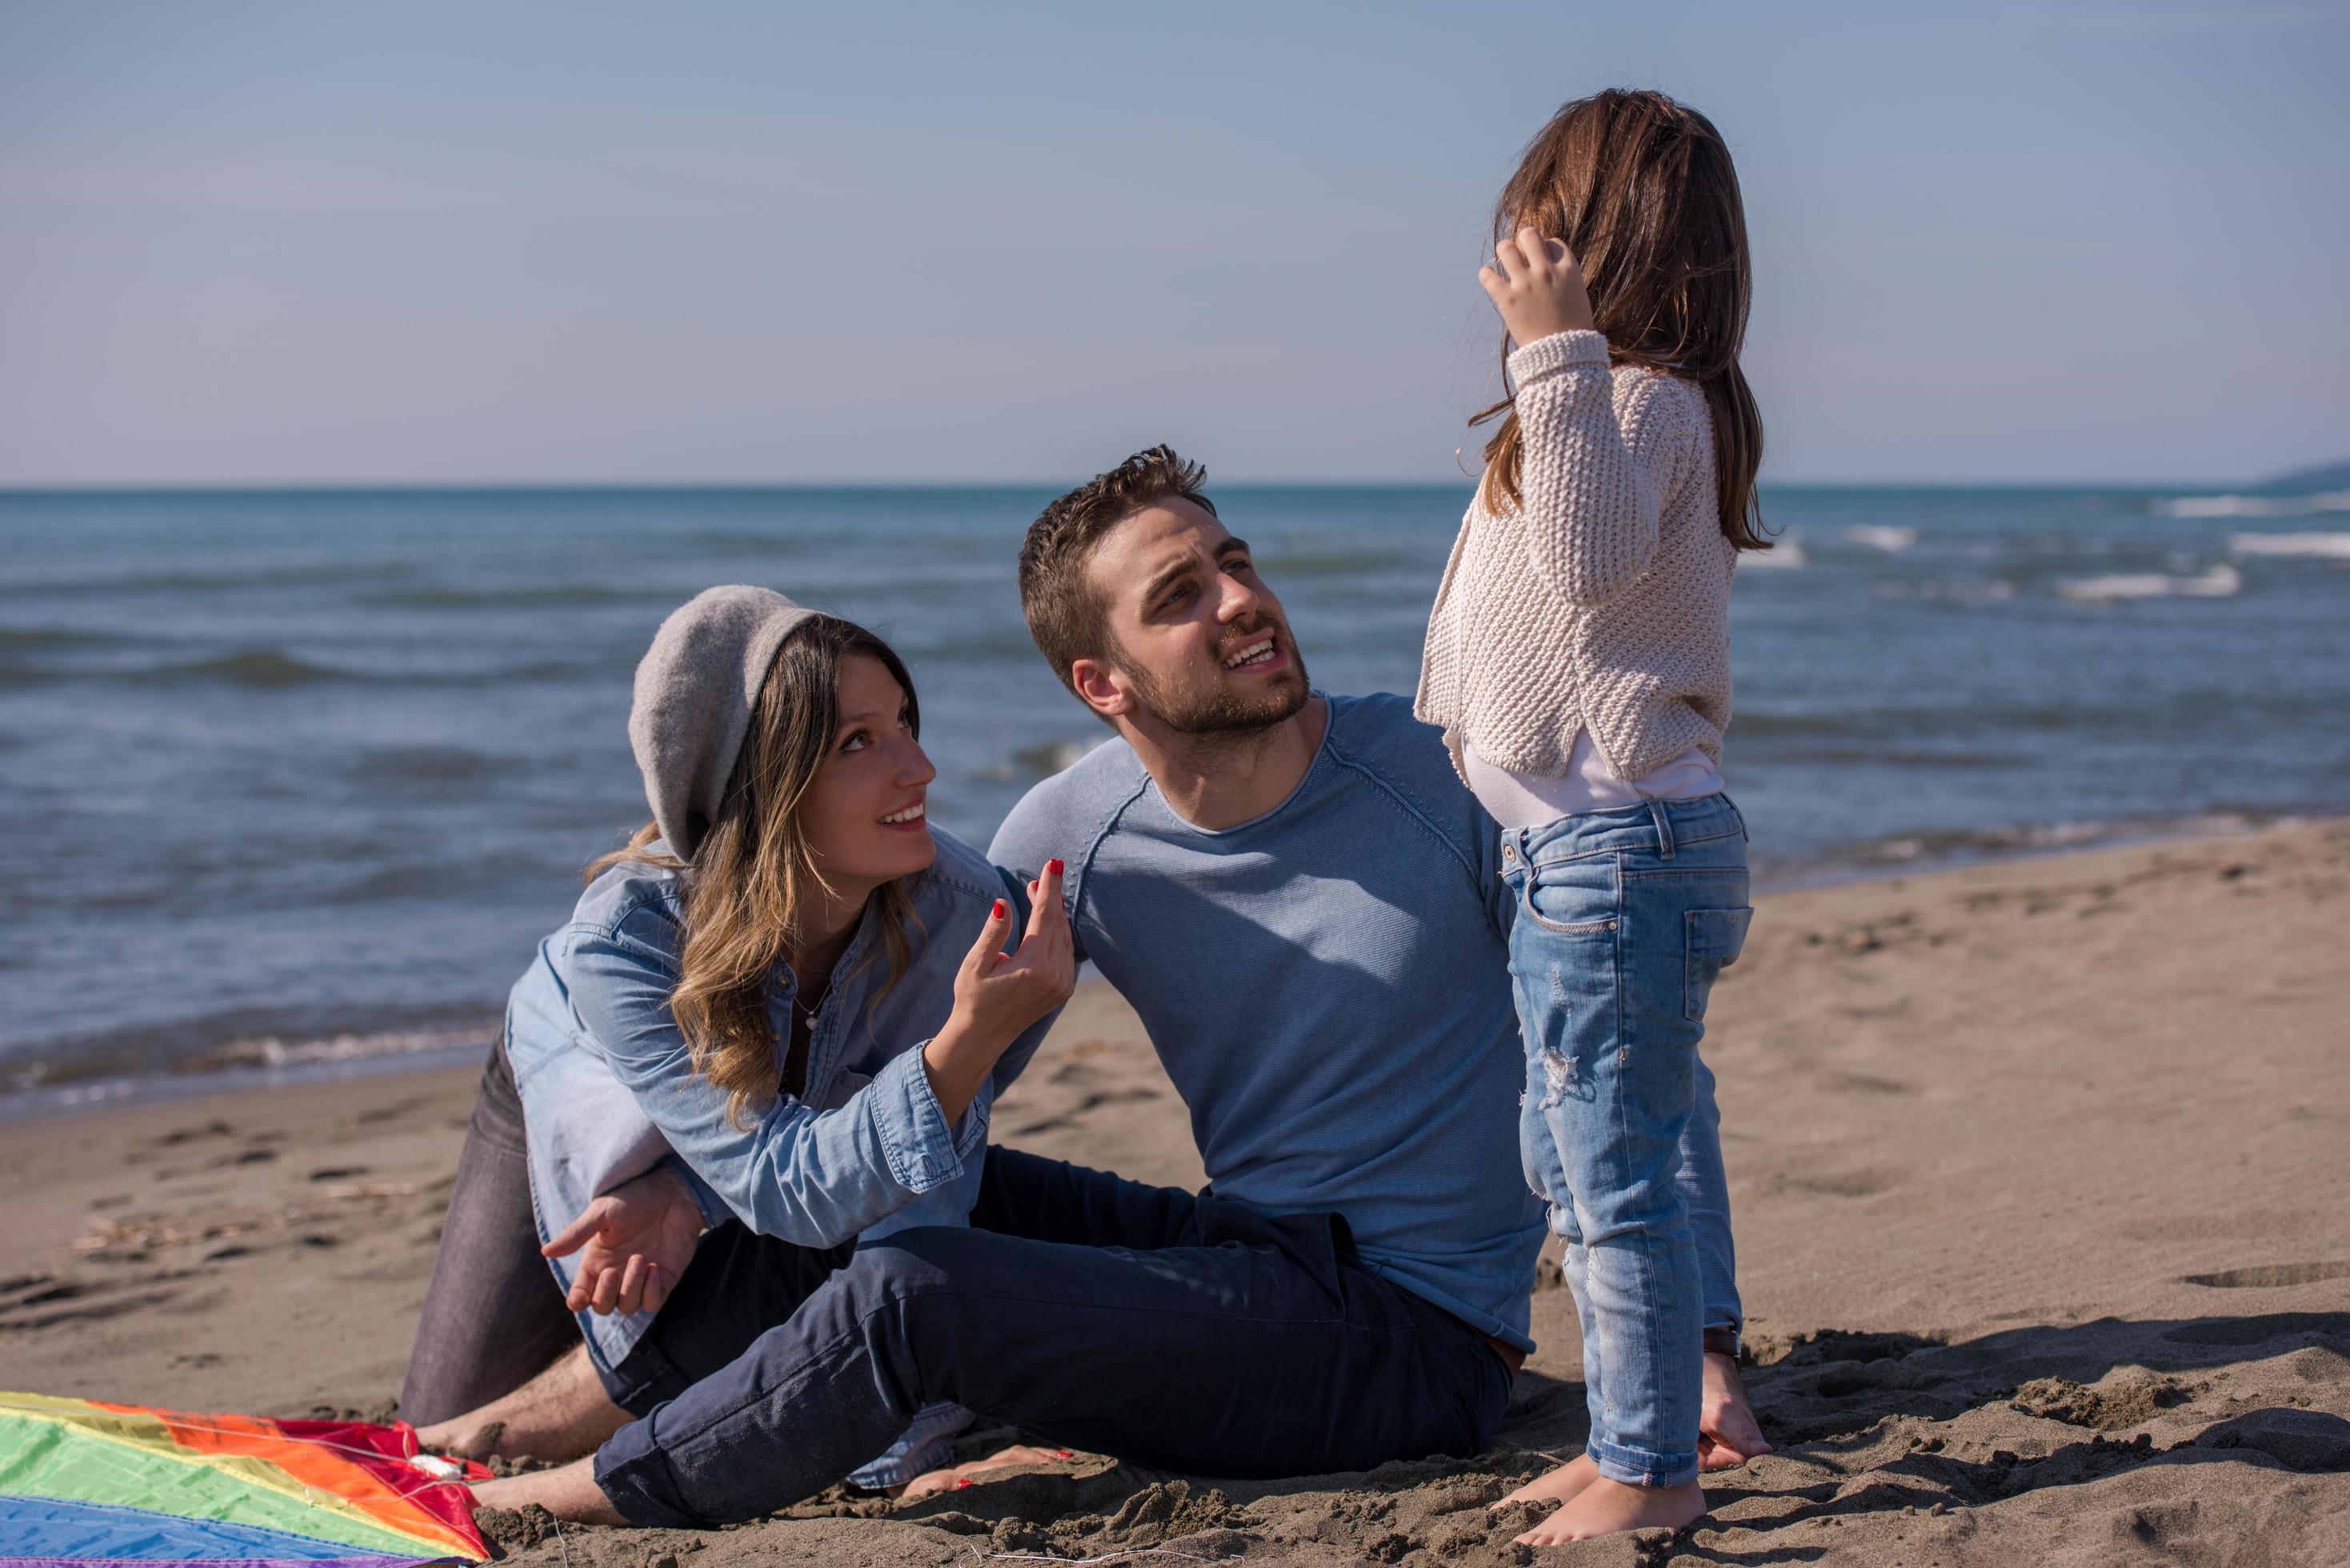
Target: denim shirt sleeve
point(714, 1212)
point(809, 1177)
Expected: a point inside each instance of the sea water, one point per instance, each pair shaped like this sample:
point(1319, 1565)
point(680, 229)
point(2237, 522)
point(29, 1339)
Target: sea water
point(305, 775)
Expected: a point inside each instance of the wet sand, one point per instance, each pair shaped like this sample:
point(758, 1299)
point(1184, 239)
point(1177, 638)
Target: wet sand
point(2042, 1175)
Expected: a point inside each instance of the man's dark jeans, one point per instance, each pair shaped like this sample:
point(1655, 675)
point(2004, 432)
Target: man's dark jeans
point(1184, 1332)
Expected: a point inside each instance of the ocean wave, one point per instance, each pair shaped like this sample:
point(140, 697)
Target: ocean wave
point(2331, 546)
point(556, 596)
point(1280, 565)
point(1932, 846)
point(15, 640)
point(2221, 582)
point(742, 542)
point(1890, 538)
point(1042, 761)
point(273, 1051)
point(2251, 505)
point(263, 669)
point(172, 582)
point(98, 1073)
point(426, 765)
point(1966, 593)
point(1785, 556)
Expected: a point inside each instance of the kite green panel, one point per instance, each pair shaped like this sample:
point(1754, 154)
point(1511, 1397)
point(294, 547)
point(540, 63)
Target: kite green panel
point(43, 1457)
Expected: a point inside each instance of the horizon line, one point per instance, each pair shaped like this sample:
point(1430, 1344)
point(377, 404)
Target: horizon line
point(710, 486)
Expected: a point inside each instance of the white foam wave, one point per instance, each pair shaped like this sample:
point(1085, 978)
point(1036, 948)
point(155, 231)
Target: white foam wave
point(1887, 537)
point(1956, 591)
point(2222, 581)
point(1787, 553)
point(2331, 547)
point(273, 1051)
point(2253, 505)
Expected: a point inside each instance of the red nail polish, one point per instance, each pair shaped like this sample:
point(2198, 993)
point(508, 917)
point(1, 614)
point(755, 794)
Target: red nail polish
point(999, 908)
point(961, 1484)
point(1053, 866)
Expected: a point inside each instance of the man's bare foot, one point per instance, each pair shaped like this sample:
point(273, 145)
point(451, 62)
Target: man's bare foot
point(1554, 1486)
point(560, 1414)
point(953, 1476)
point(569, 1492)
point(1606, 1507)
point(1728, 1434)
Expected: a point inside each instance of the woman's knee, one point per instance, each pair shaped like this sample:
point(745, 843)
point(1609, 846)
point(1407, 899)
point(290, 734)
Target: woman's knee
point(908, 1266)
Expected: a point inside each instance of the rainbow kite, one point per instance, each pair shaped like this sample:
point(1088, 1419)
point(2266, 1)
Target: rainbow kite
point(84, 1484)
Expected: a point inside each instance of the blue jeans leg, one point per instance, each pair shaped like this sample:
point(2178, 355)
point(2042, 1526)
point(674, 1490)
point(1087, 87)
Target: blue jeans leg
point(1622, 928)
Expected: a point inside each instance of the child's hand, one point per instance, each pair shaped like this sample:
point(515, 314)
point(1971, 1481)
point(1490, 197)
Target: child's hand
point(1537, 285)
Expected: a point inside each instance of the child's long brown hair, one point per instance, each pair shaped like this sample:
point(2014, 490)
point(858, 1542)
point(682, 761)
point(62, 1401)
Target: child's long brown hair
point(1641, 189)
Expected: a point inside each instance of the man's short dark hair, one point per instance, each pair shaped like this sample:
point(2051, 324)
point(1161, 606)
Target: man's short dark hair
point(1066, 616)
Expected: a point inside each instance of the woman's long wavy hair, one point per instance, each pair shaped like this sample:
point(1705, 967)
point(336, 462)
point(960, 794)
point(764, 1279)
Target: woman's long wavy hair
point(754, 876)
point(1642, 190)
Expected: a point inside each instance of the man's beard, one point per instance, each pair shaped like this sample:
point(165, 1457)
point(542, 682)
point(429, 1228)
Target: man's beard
point(1223, 712)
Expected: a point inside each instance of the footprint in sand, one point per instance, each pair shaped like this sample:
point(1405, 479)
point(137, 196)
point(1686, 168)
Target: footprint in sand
point(2265, 1276)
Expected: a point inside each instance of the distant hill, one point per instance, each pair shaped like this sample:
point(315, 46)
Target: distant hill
point(2327, 476)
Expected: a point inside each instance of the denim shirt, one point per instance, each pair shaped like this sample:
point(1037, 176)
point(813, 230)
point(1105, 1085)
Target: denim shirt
point(608, 1090)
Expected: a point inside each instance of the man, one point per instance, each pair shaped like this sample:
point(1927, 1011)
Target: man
point(1304, 906)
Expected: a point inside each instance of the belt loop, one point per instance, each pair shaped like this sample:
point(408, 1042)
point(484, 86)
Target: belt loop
point(1664, 829)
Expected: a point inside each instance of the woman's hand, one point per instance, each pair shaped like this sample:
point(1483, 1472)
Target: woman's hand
point(633, 1242)
point(1537, 285)
point(998, 995)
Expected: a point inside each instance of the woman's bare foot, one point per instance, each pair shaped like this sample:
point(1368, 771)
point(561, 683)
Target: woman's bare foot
point(1554, 1486)
point(560, 1414)
point(1606, 1507)
point(954, 1476)
point(568, 1493)
point(1728, 1434)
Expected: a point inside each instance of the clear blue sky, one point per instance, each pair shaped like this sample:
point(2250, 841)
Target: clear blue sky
point(521, 242)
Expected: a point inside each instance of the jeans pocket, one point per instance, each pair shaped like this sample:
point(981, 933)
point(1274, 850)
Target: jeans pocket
point(1714, 940)
point(1583, 903)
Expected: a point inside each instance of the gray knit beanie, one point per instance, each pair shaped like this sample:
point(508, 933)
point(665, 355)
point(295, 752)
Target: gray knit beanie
point(695, 692)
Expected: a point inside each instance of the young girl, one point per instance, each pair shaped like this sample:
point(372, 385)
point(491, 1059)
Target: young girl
point(1578, 658)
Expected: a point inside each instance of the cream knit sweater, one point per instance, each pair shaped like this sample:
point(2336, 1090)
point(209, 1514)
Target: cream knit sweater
point(1602, 601)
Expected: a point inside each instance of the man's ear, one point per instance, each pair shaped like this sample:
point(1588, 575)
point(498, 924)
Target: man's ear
point(1101, 687)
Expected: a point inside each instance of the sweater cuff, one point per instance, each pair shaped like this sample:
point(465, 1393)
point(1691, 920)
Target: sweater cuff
point(1544, 356)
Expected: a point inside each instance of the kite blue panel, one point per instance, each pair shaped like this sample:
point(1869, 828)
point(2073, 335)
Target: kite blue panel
point(52, 1531)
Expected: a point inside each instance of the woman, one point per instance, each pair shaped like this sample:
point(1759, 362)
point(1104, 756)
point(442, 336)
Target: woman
point(786, 999)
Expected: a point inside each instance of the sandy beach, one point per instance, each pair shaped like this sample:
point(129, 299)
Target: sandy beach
point(2041, 1172)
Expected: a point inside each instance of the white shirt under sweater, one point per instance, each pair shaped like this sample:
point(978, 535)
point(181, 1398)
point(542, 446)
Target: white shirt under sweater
point(1609, 582)
point(1532, 800)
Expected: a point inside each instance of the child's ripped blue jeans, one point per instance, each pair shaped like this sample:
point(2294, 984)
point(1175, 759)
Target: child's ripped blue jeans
point(1625, 917)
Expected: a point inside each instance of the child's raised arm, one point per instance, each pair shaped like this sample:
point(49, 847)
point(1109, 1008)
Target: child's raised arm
point(1595, 472)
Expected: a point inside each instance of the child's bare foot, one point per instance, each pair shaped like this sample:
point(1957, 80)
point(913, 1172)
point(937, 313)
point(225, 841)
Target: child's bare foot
point(1554, 1486)
point(1606, 1507)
